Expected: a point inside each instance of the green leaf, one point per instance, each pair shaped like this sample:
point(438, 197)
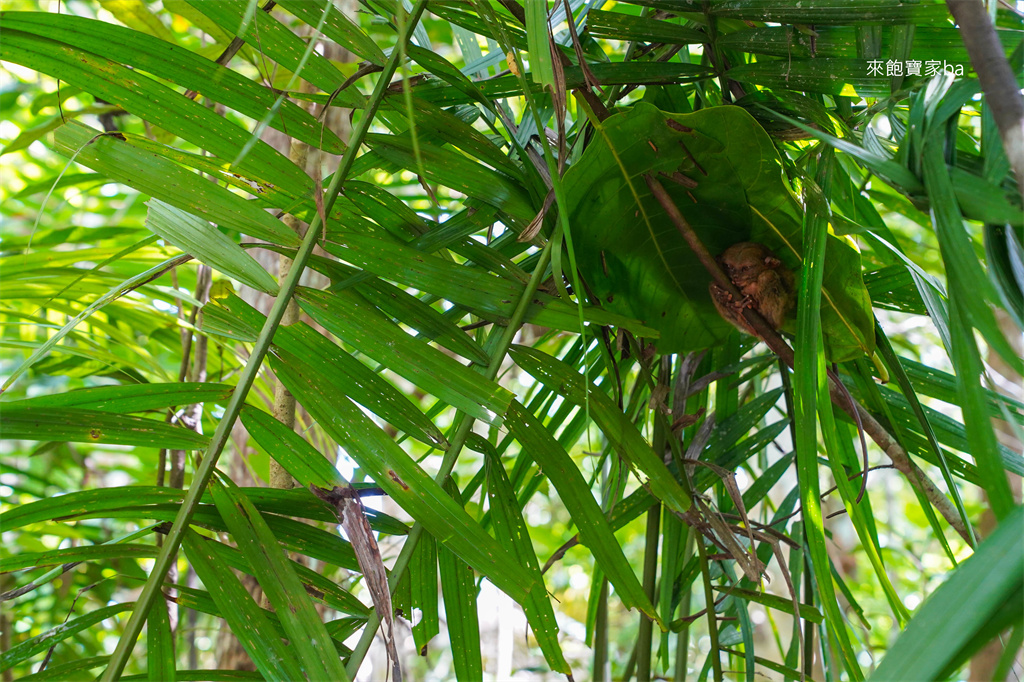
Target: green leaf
point(92, 426)
point(939, 43)
point(160, 644)
point(162, 504)
point(637, 263)
point(132, 397)
point(177, 65)
point(338, 28)
point(119, 160)
point(248, 622)
point(304, 462)
point(72, 554)
point(273, 39)
point(507, 517)
point(135, 14)
point(350, 318)
point(451, 169)
point(987, 581)
point(405, 482)
point(69, 671)
point(452, 129)
point(40, 643)
point(308, 352)
point(538, 41)
point(208, 245)
point(313, 648)
point(621, 26)
point(423, 583)
point(621, 433)
point(572, 489)
point(149, 99)
point(810, 396)
point(811, 11)
point(459, 590)
point(483, 294)
point(405, 308)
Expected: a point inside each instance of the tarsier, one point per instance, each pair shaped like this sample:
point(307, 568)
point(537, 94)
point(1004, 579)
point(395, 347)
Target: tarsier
point(766, 283)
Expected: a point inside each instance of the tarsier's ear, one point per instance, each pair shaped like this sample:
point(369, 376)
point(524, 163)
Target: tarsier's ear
point(772, 261)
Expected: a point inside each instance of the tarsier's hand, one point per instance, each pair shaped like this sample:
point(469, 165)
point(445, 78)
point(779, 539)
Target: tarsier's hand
point(766, 284)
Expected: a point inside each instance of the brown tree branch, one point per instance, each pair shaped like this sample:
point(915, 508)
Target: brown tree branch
point(1002, 94)
point(841, 398)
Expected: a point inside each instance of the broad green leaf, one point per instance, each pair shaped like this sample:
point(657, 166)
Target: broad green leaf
point(621, 433)
point(733, 190)
point(312, 646)
point(405, 482)
point(988, 581)
point(247, 620)
point(34, 645)
point(177, 65)
point(77, 425)
point(350, 318)
point(120, 161)
point(460, 607)
point(507, 517)
point(572, 489)
point(208, 245)
point(133, 397)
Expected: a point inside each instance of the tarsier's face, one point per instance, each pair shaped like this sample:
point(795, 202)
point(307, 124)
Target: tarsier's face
point(764, 283)
point(744, 262)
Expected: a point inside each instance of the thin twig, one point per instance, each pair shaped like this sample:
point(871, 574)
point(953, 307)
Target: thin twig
point(996, 77)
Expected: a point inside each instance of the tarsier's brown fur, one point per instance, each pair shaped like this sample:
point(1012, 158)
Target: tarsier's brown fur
point(766, 283)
